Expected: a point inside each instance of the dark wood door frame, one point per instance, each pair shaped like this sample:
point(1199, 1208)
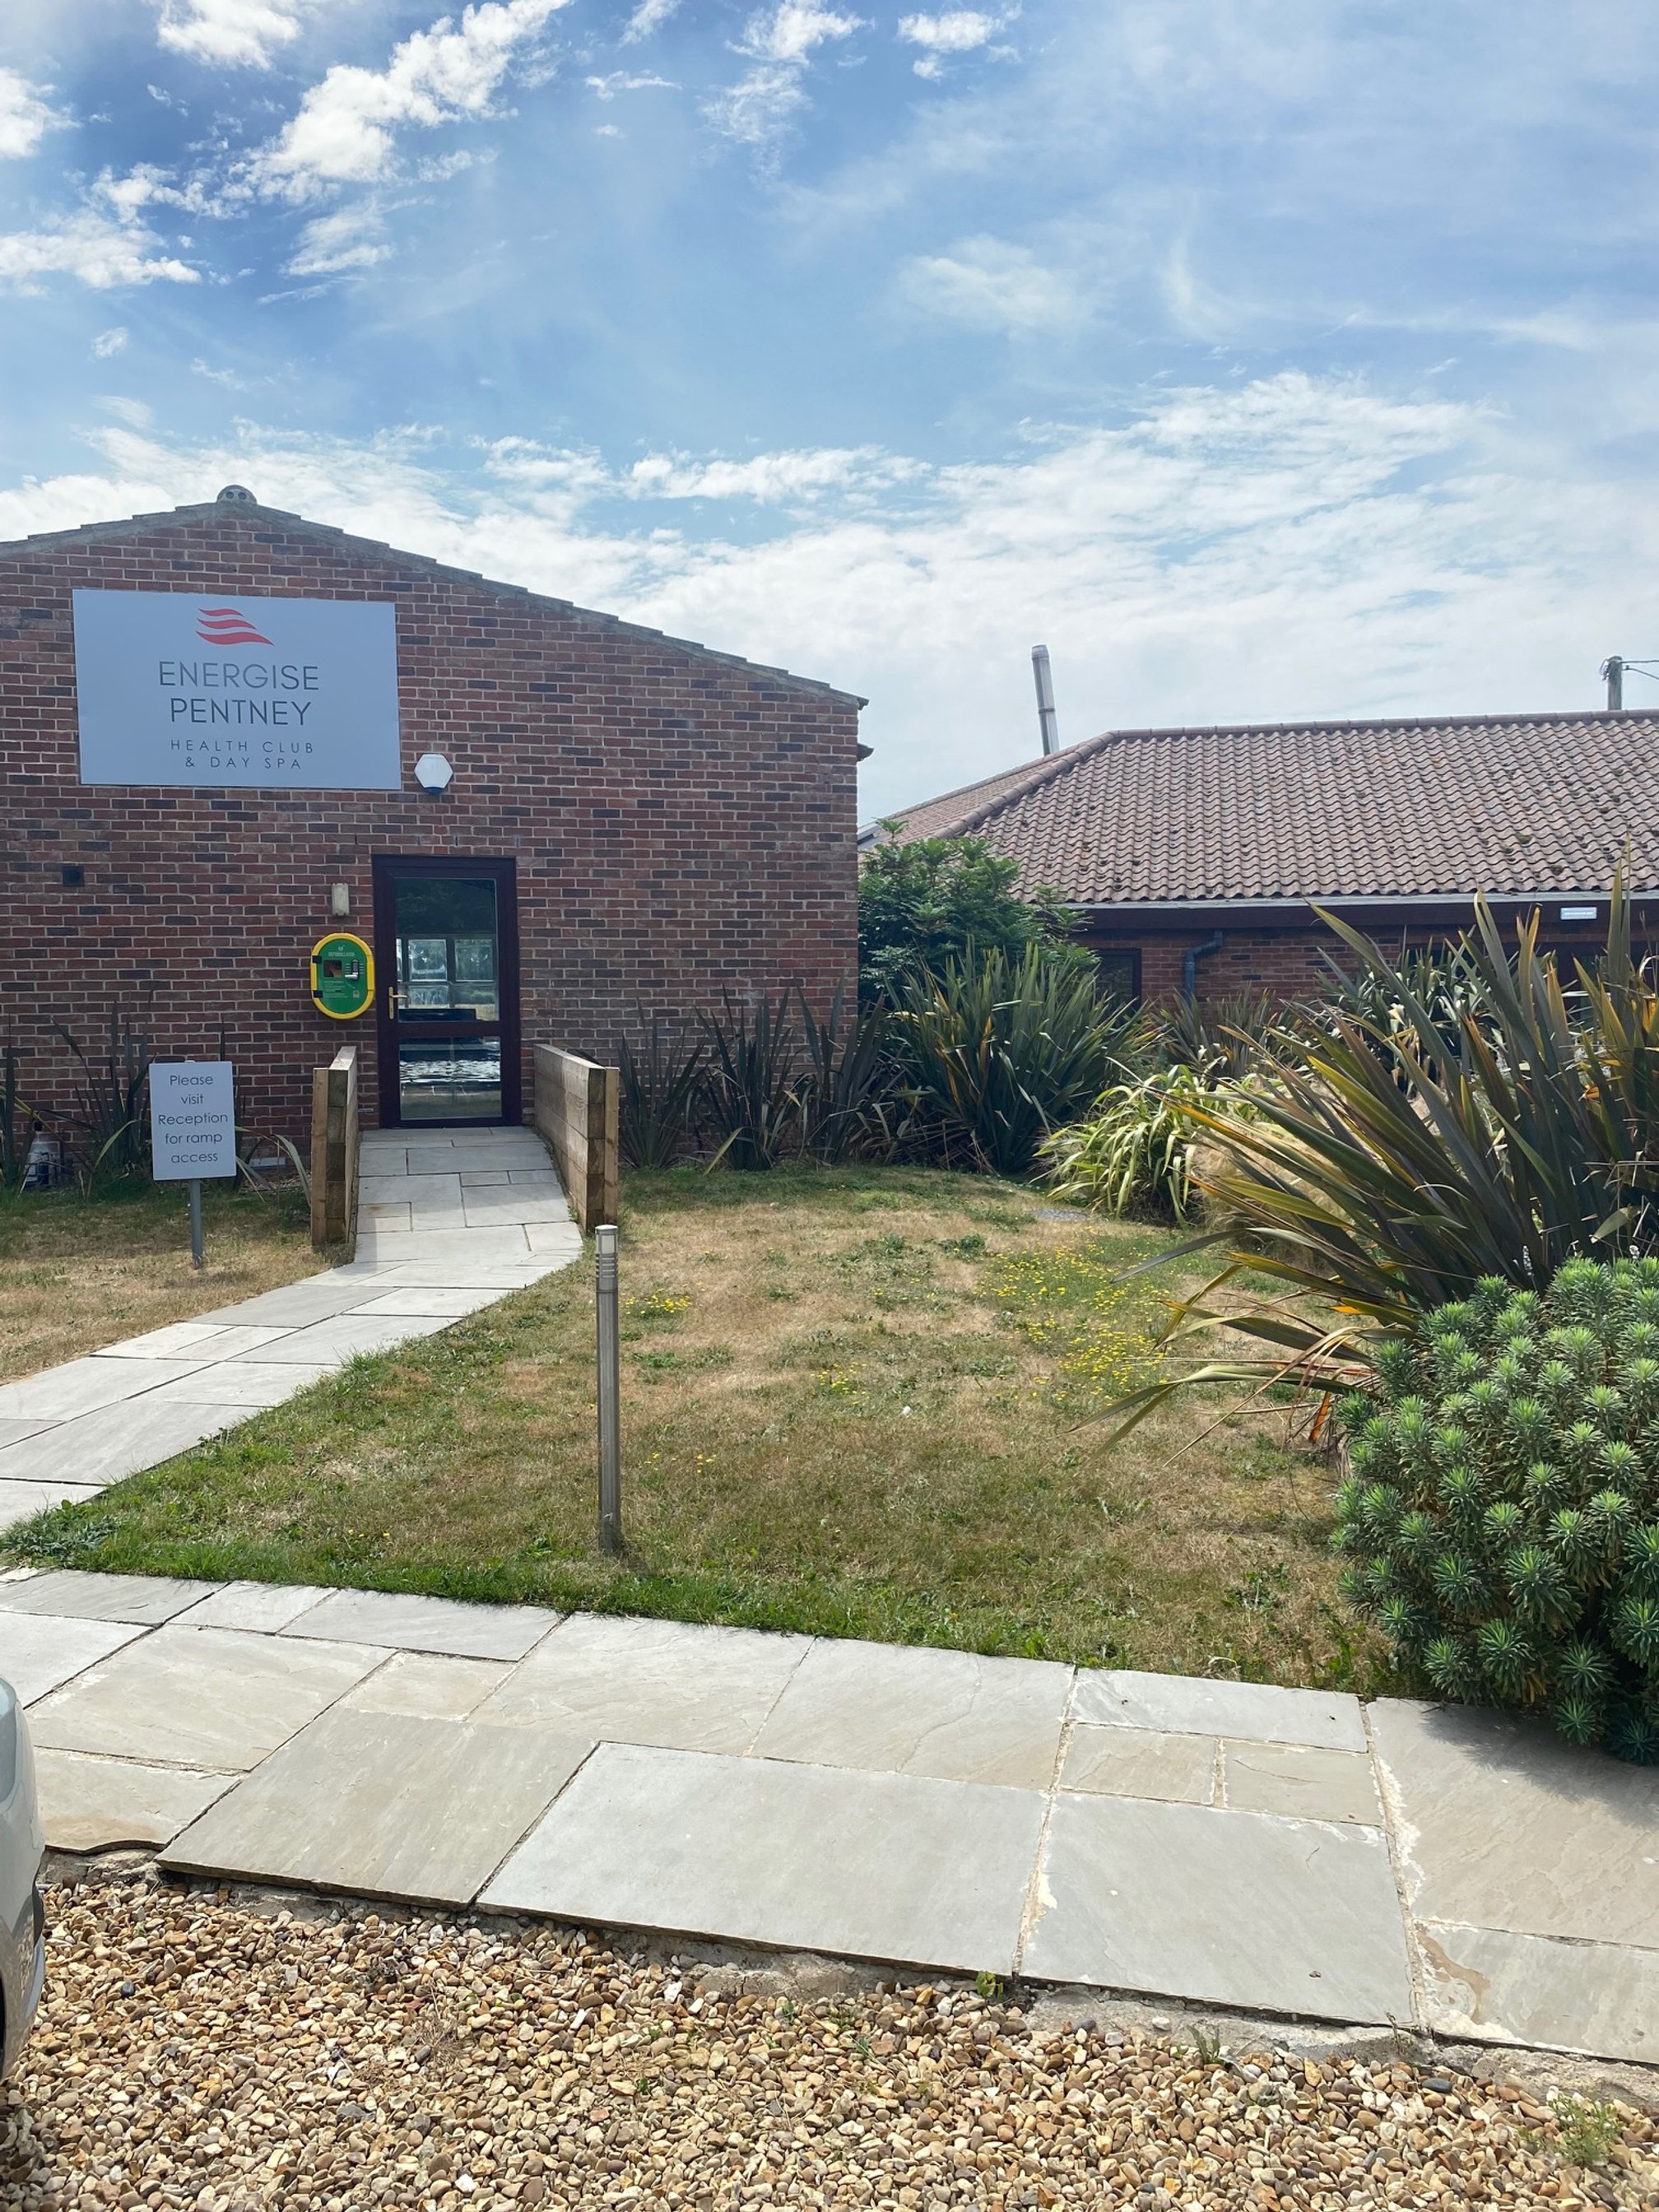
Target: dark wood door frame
point(387, 868)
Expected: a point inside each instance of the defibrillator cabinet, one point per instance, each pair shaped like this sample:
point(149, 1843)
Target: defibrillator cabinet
point(342, 976)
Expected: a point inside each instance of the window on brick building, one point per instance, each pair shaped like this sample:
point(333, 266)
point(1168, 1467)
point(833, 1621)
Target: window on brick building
point(1120, 972)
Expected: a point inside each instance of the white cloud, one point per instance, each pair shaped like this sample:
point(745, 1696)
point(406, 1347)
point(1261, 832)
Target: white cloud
point(958, 31)
point(989, 285)
point(769, 479)
point(237, 34)
point(650, 16)
point(352, 237)
point(779, 41)
point(1299, 547)
point(108, 344)
point(607, 88)
point(102, 251)
point(345, 131)
point(25, 117)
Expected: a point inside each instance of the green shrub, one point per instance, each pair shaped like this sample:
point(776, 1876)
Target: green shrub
point(937, 899)
point(1502, 1512)
point(999, 1049)
point(1133, 1154)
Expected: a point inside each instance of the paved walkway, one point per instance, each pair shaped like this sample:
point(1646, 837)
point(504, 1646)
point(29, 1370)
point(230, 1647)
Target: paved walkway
point(1279, 1850)
point(449, 1220)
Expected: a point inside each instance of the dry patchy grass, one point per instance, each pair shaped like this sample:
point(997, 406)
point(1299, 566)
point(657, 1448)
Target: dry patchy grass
point(858, 1402)
point(77, 1272)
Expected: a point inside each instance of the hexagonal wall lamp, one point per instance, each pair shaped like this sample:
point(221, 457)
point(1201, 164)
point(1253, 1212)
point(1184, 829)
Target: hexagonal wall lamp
point(434, 774)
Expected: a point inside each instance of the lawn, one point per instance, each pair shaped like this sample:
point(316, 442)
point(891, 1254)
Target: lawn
point(79, 1271)
point(859, 1402)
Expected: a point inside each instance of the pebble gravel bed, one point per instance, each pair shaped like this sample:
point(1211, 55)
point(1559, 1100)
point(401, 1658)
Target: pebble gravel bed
point(198, 2050)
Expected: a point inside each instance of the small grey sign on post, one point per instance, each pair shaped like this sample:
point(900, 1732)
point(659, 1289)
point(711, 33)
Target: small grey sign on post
point(192, 1129)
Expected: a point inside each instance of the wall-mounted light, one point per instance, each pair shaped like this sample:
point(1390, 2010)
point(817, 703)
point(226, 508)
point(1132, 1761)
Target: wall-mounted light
point(433, 773)
point(339, 900)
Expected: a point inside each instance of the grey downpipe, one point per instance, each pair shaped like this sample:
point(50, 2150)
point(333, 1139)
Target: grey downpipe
point(1189, 960)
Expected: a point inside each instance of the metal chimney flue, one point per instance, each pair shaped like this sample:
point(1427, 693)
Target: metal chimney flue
point(1047, 721)
point(1613, 669)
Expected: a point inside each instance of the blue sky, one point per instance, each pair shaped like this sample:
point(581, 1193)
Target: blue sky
point(1267, 358)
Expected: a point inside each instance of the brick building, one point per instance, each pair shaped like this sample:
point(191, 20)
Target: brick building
point(211, 722)
point(1195, 858)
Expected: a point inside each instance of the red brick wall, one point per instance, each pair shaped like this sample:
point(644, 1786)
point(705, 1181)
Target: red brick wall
point(682, 826)
point(1290, 962)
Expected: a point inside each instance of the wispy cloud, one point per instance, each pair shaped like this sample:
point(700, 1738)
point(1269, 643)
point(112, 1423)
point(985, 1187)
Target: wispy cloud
point(345, 131)
point(607, 88)
point(779, 42)
point(1300, 546)
point(956, 31)
point(97, 249)
point(108, 344)
point(234, 33)
point(25, 117)
point(988, 284)
point(331, 245)
point(650, 16)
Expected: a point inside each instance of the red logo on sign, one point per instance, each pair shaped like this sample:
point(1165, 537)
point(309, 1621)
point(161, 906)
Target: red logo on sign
point(228, 626)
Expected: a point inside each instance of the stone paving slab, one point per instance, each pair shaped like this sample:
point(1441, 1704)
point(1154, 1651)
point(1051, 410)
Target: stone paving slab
point(145, 1599)
point(99, 1447)
point(385, 1805)
point(1503, 1824)
point(875, 1866)
point(193, 1340)
point(1298, 1780)
point(263, 1607)
point(89, 1804)
point(1183, 1705)
point(21, 1501)
point(1225, 1908)
point(252, 1384)
point(197, 1697)
point(1495, 1986)
point(14, 1428)
point(904, 1710)
point(428, 1684)
point(662, 1682)
point(87, 1386)
point(38, 1652)
point(1122, 1762)
point(451, 1303)
point(425, 1624)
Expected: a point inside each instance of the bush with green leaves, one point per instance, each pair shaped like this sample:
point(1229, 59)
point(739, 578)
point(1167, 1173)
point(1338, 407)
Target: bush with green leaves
point(1134, 1153)
point(940, 899)
point(1501, 1515)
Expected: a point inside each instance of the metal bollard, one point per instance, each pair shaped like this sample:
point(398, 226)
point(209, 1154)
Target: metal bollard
point(609, 1394)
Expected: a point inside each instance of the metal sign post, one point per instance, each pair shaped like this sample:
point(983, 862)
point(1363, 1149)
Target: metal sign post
point(610, 1393)
point(192, 1129)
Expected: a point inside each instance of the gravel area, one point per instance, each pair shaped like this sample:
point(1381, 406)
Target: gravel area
point(195, 2050)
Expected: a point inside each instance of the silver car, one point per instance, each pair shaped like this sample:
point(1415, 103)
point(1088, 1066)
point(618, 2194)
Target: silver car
point(22, 1911)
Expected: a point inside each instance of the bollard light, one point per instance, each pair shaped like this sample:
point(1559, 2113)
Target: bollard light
point(609, 1388)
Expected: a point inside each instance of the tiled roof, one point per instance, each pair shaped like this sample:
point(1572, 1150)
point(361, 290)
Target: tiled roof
point(1507, 803)
point(251, 511)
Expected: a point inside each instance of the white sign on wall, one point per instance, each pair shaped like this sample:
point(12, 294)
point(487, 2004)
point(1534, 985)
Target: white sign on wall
point(226, 689)
point(192, 1120)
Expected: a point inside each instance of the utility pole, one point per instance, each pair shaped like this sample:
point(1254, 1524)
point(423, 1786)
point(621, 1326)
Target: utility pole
point(1613, 669)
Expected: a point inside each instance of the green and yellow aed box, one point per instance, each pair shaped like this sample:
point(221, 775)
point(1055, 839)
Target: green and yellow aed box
point(342, 976)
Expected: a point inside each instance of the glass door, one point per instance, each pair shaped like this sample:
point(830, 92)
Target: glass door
point(446, 949)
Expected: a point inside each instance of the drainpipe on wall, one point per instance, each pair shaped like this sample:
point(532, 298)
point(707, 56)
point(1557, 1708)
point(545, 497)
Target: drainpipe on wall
point(1189, 960)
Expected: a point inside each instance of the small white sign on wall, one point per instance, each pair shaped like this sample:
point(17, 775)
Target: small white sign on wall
point(192, 1120)
point(223, 688)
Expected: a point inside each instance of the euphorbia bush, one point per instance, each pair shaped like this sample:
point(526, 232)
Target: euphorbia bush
point(1502, 1512)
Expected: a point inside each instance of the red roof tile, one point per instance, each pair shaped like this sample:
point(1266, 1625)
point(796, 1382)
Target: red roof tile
point(1511, 805)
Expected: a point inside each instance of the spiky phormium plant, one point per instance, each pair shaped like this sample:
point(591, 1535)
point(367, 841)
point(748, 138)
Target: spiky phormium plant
point(1501, 1513)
